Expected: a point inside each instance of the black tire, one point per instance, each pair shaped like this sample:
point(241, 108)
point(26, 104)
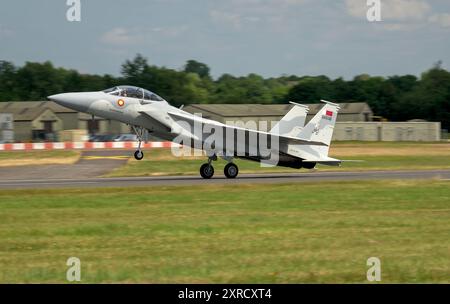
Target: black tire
point(139, 155)
point(207, 171)
point(231, 170)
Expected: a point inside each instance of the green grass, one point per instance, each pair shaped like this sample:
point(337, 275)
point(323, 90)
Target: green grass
point(238, 233)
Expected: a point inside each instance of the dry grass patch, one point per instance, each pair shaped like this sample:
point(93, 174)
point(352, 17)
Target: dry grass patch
point(19, 158)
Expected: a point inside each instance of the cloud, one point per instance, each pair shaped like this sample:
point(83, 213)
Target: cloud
point(273, 3)
point(402, 26)
point(405, 9)
point(124, 36)
point(226, 18)
point(237, 14)
point(392, 10)
point(401, 15)
point(440, 19)
point(171, 31)
point(119, 35)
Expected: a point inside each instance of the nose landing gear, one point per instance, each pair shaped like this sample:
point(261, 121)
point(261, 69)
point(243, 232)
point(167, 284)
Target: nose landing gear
point(139, 131)
point(139, 155)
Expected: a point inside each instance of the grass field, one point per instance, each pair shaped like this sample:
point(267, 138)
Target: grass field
point(373, 156)
point(241, 233)
point(21, 158)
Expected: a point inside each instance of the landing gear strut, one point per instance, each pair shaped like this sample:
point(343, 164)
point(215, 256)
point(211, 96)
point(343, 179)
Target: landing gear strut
point(139, 131)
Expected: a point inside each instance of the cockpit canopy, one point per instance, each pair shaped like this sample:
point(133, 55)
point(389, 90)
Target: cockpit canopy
point(133, 92)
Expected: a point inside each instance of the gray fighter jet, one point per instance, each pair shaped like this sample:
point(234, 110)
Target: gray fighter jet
point(290, 143)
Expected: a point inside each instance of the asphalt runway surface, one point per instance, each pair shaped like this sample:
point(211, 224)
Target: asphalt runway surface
point(92, 164)
point(241, 179)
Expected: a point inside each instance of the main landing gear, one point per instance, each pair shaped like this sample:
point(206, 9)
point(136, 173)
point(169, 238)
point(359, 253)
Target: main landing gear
point(207, 170)
point(231, 170)
point(139, 131)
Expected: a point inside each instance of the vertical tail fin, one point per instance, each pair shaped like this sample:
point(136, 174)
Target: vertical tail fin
point(292, 123)
point(321, 127)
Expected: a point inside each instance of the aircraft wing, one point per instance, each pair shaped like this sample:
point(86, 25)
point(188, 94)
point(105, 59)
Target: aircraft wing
point(191, 119)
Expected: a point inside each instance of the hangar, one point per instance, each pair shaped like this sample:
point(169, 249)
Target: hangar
point(355, 121)
point(358, 111)
point(32, 123)
point(43, 120)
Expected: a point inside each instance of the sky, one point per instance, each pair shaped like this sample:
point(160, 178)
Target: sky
point(267, 37)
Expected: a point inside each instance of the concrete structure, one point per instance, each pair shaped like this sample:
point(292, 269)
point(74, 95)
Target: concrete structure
point(388, 131)
point(6, 127)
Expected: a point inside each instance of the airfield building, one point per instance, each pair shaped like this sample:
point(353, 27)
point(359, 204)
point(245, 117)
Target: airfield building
point(354, 122)
point(44, 120)
point(359, 111)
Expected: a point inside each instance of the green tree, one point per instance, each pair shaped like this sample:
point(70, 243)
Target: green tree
point(178, 87)
point(132, 70)
point(430, 99)
point(396, 98)
point(36, 81)
point(311, 90)
point(8, 85)
point(201, 69)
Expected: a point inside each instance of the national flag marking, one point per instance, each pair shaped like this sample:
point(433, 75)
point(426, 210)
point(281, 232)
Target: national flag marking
point(329, 113)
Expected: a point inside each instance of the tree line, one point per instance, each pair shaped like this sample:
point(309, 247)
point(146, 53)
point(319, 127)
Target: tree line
point(396, 98)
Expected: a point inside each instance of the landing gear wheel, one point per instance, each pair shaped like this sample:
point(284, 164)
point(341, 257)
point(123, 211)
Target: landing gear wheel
point(231, 170)
point(206, 171)
point(139, 154)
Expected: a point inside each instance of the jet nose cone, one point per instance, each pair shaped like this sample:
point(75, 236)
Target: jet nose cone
point(75, 101)
point(56, 98)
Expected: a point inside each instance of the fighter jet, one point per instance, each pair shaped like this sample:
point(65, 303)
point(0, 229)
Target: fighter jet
point(290, 143)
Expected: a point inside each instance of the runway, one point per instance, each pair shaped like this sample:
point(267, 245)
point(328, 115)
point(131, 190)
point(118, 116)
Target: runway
point(44, 183)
